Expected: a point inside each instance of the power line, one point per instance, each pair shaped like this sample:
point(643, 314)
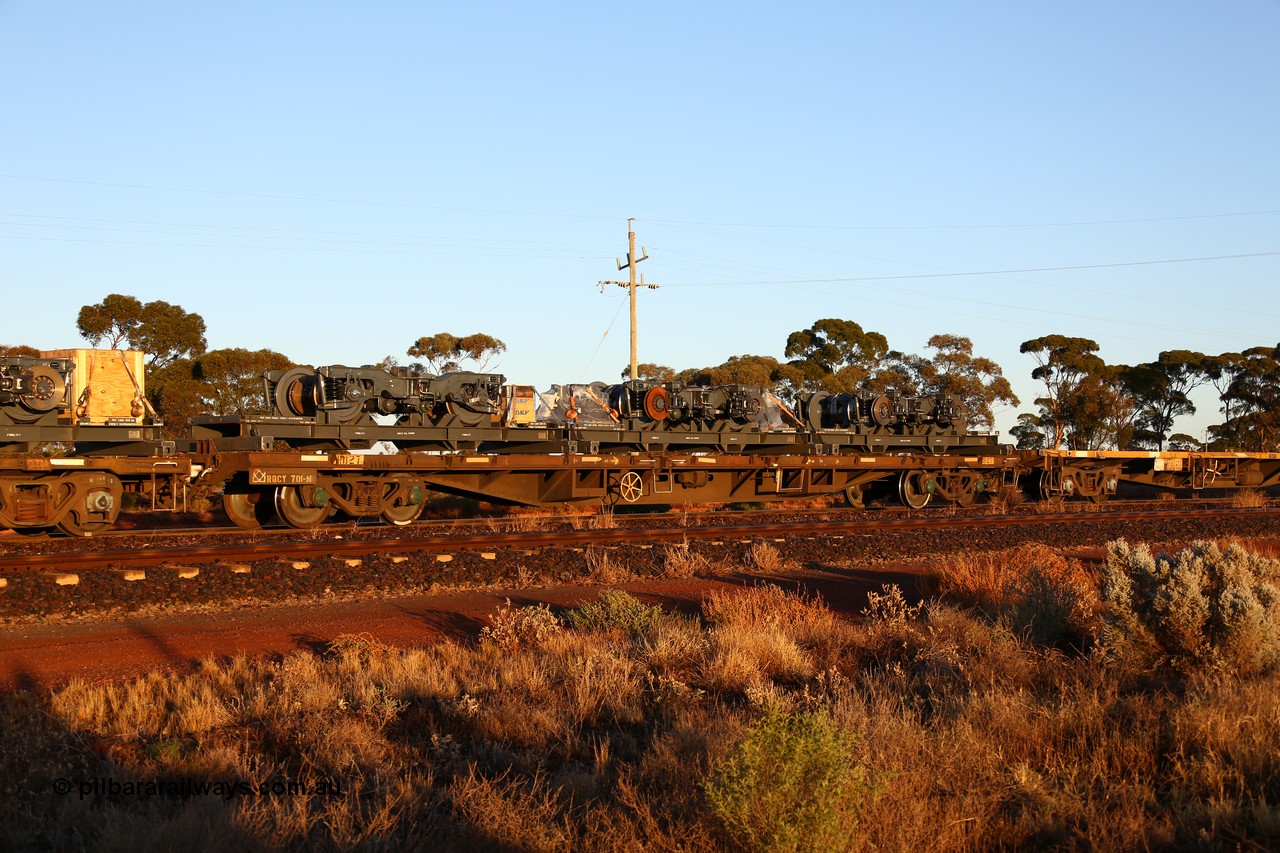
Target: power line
point(975, 272)
point(962, 227)
point(409, 242)
point(514, 253)
point(779, 225)
point(260, 228)
point(238, 194)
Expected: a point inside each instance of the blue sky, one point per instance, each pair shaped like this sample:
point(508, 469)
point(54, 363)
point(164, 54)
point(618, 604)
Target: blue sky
point(335, 180)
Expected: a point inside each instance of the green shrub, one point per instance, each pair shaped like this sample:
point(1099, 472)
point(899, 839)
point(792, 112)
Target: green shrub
point(790, 784)
point(616, 610)
point(1204, 608)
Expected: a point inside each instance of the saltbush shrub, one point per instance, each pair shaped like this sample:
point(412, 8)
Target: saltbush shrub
point(789, 784)
point(1204, 609)
point(514, 627)
point(616, 610)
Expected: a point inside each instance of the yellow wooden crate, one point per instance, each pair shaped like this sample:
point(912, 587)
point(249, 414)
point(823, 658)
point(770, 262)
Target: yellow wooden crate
point(108, 385)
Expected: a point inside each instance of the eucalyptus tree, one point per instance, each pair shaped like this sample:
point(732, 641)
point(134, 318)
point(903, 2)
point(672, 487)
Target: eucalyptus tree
point(836, 355)
point(444, 352)
point(163, 331)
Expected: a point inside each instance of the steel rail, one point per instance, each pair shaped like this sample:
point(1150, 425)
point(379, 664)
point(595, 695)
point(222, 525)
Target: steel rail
point(297, 550)
point(629, 518)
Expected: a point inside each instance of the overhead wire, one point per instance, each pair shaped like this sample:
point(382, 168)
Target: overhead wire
point(269, 229)
point(497, 251)
point(1110, 294)
point(953, 227)
point(514, 253)
point(1198, 306)
point(855, 279)
point(280, 197)
point(621, 303)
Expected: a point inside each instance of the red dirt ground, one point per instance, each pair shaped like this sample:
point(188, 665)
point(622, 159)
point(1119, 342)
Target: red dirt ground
point(47, 655)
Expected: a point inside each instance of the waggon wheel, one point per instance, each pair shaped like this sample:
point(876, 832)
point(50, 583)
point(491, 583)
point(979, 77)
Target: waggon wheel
point(349, 414)
point(403, 499)
point(297, 393)
point(853, 496)
point(655, 404)
point(813, 410)
point(882, 411)
point(1046, 487)
point(47, 390)
point(1053, 492)
point(913, 489)
point(94, 504)
point(303, 507)
point(249, 510)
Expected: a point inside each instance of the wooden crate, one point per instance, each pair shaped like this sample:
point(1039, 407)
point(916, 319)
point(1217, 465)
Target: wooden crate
point(108, 385)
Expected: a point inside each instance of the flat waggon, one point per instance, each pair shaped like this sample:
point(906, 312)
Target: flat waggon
point(364, 442)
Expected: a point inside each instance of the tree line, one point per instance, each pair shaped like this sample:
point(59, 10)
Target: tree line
point(1086, 403)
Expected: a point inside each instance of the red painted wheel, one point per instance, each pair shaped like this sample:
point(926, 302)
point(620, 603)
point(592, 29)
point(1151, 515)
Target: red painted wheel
point(655, 404)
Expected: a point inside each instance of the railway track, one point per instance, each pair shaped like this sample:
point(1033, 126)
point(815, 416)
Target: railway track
point(301, 549)
point(514, 523)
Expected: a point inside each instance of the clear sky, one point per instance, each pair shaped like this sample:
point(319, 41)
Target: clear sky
point(334, 180)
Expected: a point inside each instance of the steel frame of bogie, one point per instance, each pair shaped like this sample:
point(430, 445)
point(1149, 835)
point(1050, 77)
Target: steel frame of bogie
point(79, 501)
point(83, 495)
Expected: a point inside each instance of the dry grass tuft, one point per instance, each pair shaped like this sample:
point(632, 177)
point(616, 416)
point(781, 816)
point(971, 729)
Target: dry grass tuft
point(766, 559)
point(1249, 498)
point(603, 520)
point(1008, 497)
point(1037, 591)
point(601, 566)
point(512, 814)
point(680, 560)
point(513, 627)
point(597, 519)
point(764, 634)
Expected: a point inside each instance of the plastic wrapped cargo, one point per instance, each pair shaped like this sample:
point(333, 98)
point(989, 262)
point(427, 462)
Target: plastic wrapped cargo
point(569, 405)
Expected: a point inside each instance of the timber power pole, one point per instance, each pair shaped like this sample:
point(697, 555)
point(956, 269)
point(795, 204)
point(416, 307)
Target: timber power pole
point(631, 285)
